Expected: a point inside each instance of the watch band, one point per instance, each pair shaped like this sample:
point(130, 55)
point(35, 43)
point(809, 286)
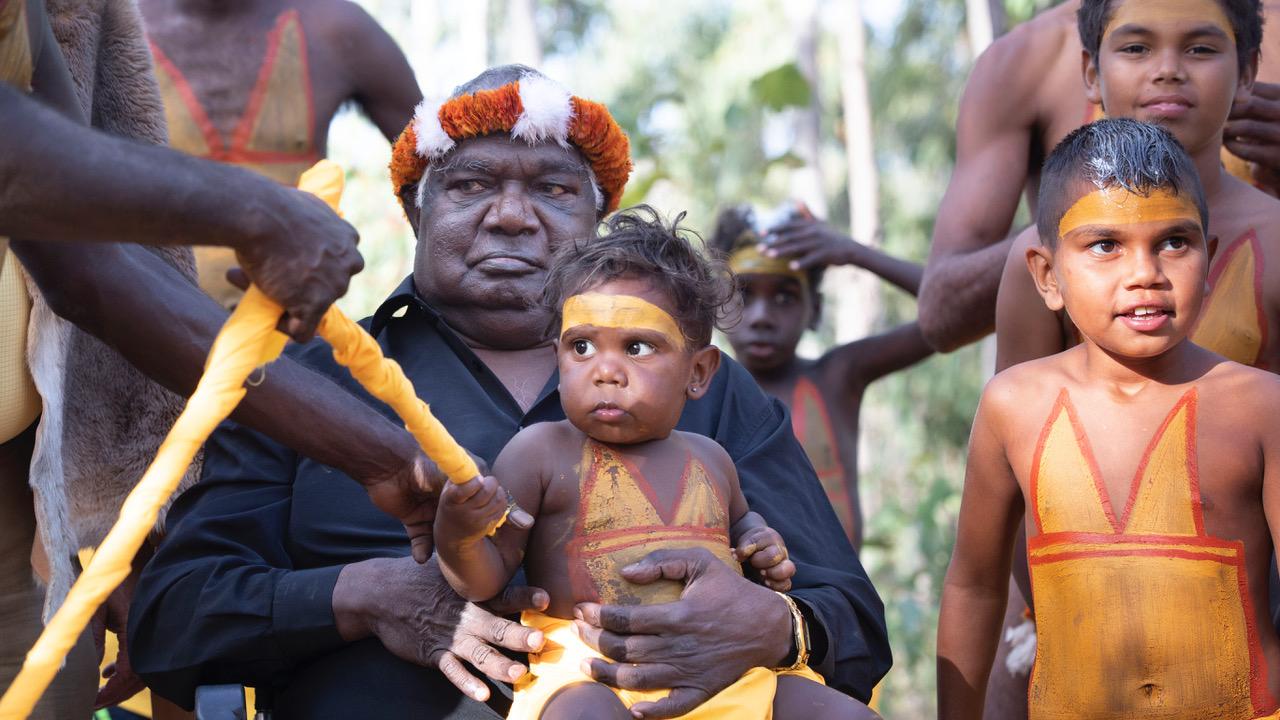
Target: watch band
point(800, 630)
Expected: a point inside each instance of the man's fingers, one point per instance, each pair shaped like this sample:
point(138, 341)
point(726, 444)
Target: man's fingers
point(1263, 154)
point(517, 598)
point(469, 684)
point(680, 701)
point(644, 619)
point(1252, 130)
point(238, 277)
point(682, 565)
point(629, 677)
point(489, 661)
point(623, 648)
point(420, 541)
point(300, 325)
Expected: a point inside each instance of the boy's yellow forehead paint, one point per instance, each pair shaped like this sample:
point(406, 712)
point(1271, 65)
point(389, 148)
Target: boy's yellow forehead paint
point(1117, 206)
point(619, 311)
point(1141, 12)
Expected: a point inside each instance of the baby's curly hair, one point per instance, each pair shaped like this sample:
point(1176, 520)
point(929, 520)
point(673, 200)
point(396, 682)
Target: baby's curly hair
point(637, 242)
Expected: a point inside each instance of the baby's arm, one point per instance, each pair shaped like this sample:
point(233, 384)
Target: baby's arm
point(754, 542)
point(478, 565)
point(973, 595)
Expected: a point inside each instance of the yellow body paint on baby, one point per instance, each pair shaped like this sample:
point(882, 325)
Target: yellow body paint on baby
point(1134, 12)
point(619, 311)
point(748, 260)
point(1117, 206)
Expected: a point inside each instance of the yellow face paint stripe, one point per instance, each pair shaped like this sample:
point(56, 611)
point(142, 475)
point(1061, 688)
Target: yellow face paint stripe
point(748, 260)
point(619, 311)
point(1142, 13)
point(1117, 206)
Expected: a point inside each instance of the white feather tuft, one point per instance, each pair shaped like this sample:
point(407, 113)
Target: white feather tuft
point(548, 108)
point(433, 141)
point(1022, 648)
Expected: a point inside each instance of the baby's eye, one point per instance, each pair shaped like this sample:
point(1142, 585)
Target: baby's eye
point(639, 348)
point(584, 348)
point(1103, 247)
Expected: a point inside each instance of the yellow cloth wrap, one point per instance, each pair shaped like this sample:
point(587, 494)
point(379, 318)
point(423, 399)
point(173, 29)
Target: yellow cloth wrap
point(557, 667)
point(248, 341)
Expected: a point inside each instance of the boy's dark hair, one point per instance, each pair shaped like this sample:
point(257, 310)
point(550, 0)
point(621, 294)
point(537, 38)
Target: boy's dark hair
point(1120, 152)
point(636, 242)
point(1245, 17)
point(736, 228)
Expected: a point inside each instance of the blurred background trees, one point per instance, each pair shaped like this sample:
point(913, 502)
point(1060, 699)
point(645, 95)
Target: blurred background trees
point(847, 105)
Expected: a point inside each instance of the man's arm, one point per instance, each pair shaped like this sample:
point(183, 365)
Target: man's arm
point(975, 589)
point(61, 181)
point(1026, 329)
point(994, 132)
point(167, 331)
point(383, 83)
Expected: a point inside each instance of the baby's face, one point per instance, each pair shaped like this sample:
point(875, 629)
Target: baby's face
point(1131, 270)
point(625, 367)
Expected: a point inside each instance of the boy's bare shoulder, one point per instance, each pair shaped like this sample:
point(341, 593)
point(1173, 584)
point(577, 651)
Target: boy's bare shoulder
point(1239, 392)
point(1025, 388)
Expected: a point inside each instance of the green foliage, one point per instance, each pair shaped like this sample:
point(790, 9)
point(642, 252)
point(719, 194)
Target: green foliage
point(781, 88)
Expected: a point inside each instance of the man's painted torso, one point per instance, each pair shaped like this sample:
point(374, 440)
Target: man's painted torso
point(275, 135)
point(19, 401)
point(1140, 614)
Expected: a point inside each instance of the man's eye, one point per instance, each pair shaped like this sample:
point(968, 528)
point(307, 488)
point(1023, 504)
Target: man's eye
point(1102, 247)
point(555, 190)
point(639, 348)
point(584, 348)
point(469, 186)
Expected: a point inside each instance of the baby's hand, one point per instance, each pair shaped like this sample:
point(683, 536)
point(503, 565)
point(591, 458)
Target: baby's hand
point(470, 511)
point(762, 548)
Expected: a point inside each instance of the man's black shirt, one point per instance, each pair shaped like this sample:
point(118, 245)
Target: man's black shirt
point(241, 588)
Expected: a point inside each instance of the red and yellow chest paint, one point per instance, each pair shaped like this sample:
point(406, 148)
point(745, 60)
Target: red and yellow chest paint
point(275, 137)
point(811, 423)
point(621, 518)
point(1233, 321)
point(1142, 614)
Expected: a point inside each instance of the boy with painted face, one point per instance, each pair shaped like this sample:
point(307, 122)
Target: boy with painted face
point(616, 481)
point(1150, 593)
point(779, 272)
point(1180, 64)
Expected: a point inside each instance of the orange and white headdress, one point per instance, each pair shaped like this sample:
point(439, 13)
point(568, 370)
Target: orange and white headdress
point(535, 109)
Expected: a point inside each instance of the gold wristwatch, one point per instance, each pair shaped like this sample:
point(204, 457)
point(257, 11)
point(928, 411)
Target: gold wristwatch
point(801, 631)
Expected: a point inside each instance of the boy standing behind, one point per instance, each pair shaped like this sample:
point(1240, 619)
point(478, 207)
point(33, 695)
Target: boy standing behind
point(1150, 594)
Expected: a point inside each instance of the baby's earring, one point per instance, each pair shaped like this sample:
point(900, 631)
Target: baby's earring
point(693, 388)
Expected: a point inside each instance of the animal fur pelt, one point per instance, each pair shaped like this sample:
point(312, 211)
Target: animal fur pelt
point(102, 420)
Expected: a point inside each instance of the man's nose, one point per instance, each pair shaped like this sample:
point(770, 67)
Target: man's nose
point(512, 212)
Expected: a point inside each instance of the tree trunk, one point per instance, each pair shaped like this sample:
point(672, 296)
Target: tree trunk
point(473, 36)
point(985, 21)
point(807, 182)
point(521, 30)
point(857, 306)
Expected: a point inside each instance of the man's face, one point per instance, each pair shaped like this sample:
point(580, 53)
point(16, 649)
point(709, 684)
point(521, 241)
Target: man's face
point(626, 368)
point(1130, 270)
point(776, 309)
point(1171, 62)
point(493, 213)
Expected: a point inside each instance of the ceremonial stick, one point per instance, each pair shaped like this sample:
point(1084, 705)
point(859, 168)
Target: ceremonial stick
point(248, 341)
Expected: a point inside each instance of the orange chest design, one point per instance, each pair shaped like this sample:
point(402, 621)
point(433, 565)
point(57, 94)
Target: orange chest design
point(276, 134)
point(621, 519)
point(1233, 321)
point(1141, 614)
point(811, 423)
